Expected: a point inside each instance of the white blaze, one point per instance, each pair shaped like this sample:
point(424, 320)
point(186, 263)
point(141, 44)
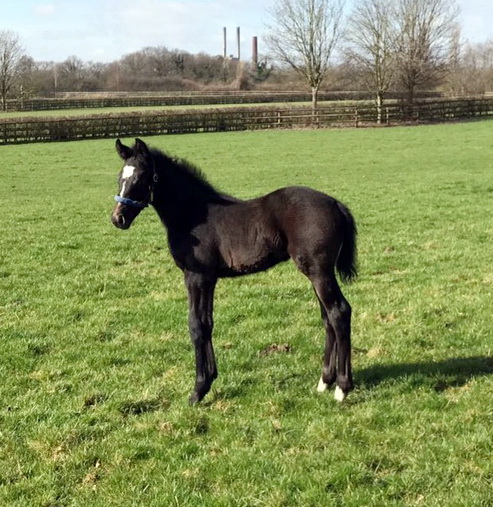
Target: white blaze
point(127, 172)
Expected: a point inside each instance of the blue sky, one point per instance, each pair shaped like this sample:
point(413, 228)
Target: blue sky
point(105, 30)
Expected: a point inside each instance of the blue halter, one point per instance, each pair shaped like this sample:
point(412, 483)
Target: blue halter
point(130, 202)
point(139, 204)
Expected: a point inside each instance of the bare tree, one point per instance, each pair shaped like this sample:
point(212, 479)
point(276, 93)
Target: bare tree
point(426, 31)
point(11, 53)
point(304, 36)
point(371, 39)
point(471, 72)
point(486, 63)
point(71, 74)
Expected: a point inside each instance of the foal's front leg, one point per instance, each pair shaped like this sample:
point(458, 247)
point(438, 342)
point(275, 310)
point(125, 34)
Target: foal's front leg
point(200, 323)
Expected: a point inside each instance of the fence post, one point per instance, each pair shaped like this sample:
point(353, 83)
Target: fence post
point(356, 118)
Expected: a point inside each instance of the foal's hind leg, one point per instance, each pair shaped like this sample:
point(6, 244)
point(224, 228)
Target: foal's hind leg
point(329, 371)
point(337, 322)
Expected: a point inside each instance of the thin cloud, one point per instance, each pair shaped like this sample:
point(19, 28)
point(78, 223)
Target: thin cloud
point(476, 20)
point(191, 25)
point(44, 10)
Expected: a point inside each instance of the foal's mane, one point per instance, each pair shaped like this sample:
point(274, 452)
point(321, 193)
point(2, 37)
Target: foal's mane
point(187, 176)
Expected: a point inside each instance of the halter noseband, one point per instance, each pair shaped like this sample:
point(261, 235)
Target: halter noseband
point(131, 202)
point(138, 204)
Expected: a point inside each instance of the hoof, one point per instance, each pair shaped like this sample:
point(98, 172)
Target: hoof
point(199, 392)
point(194, 399)
point(339, 394)
point(322, 386)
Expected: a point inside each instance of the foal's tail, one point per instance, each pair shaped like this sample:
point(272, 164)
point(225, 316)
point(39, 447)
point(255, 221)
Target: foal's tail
point(346, 263)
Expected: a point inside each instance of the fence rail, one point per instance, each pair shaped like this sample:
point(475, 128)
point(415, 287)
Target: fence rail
point(92, 101)
point(26, 130)
point(148, 99)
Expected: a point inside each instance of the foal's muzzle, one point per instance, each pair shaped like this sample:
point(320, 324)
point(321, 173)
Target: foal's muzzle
point(123, 216)
point(125, 211)
point(119, 220)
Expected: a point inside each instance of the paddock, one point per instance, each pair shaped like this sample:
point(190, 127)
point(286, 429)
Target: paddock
point(96, 358)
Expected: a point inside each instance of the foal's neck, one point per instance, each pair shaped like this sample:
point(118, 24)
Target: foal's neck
point(181, 193)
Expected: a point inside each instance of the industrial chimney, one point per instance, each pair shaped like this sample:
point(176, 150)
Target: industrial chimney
point(255, 52)
point(238, 40)
point(225, 43)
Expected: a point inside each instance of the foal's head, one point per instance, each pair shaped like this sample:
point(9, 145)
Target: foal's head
point(135, 181)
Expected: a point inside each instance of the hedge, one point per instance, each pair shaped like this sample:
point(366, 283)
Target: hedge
point(102, 100)
point(26, 130)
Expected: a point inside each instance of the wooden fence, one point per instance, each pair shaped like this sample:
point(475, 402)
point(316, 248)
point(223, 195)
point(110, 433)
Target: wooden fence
point(26, 130)
point(123, 99)
point(92, 101)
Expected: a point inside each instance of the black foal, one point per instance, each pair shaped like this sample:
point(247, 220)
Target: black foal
point(212, 235)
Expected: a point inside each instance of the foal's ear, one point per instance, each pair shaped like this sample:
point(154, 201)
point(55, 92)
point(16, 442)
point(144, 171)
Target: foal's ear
point(141, 148)
point(124, 151)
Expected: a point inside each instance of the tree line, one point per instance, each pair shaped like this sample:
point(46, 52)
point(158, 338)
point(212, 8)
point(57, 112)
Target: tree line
point(380, 46)
point(406, 45)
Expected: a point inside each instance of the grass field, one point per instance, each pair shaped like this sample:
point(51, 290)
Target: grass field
point(96, 364)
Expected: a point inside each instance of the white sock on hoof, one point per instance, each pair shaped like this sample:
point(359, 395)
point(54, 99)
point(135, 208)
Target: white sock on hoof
point(322, 386)
point(339, 394)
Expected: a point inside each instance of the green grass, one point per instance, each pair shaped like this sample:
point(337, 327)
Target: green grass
point(96, 364)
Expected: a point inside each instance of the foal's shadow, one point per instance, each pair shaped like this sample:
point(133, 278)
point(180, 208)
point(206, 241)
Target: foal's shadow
point(441, 375)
